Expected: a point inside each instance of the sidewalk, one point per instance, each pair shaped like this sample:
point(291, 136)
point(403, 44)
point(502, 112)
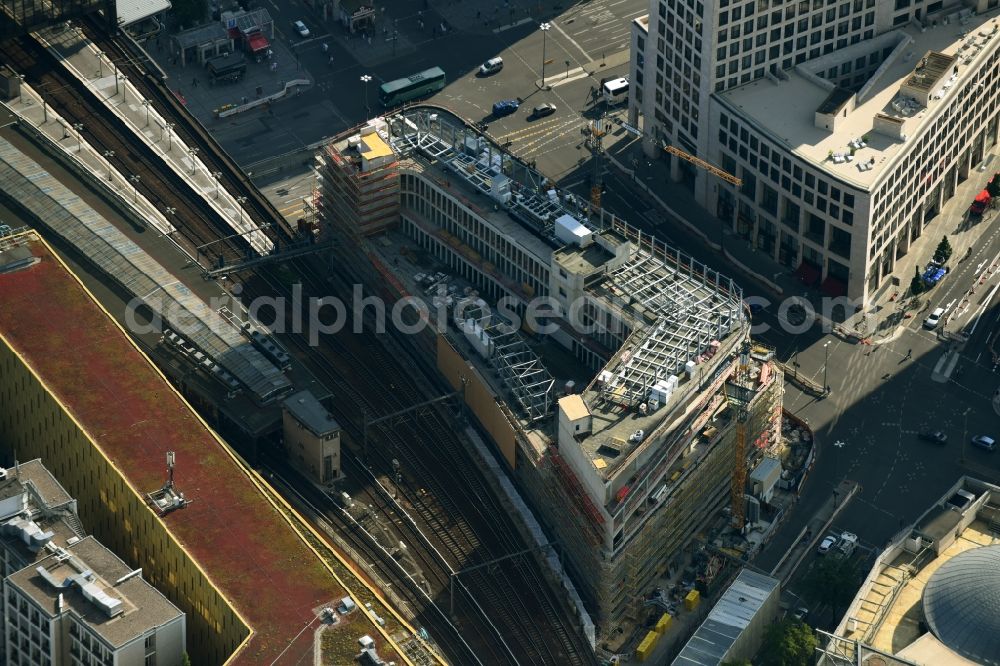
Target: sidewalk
point(685, 216)
point(814, 530)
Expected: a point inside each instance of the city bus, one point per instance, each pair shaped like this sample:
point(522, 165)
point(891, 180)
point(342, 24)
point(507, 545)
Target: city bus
point(394, 93)
point(615, 91)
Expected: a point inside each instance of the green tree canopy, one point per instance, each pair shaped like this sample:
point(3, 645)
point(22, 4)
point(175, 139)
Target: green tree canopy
point(833, 582)
point(787, 643)
point(738, 662)
point(189, 13)
point(993, 187)
point(943, 251)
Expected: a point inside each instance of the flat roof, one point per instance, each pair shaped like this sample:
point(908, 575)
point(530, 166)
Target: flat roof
point(785, 109)
point(230, 528)
point(574, 407)
point(311, 413)
point(374, 146)
point(140, 607)
point(133, 11)
point(35, 471)
point(727, 619)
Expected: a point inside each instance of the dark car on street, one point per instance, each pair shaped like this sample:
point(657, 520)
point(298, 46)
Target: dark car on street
point(934, 437)
point(505, 107)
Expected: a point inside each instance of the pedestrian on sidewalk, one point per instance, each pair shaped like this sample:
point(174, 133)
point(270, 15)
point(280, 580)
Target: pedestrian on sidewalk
point(909, 353)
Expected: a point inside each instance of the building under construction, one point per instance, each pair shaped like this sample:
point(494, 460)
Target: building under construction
point(626, 472)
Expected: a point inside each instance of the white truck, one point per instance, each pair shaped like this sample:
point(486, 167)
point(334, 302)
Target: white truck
point(846, 545)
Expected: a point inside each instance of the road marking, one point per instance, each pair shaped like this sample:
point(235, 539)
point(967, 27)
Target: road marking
point(571, 78)
point(497, 31)
point(571, 41)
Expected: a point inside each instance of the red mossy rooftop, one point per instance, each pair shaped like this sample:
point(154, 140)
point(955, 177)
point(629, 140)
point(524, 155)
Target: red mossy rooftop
point(244, 545)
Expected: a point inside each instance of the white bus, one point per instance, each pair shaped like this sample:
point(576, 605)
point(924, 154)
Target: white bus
point(615, 91)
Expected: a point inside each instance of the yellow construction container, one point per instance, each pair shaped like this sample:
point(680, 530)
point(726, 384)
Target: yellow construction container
point(663, 623)
point(692, 599)
point(647, 646)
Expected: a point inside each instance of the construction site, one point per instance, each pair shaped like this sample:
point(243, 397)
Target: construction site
point(613, 374)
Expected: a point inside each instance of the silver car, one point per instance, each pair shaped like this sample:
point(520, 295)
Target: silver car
point(300, 28)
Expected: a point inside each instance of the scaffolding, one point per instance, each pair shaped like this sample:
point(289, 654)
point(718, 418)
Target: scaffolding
point(522, 372)
point(362, 202)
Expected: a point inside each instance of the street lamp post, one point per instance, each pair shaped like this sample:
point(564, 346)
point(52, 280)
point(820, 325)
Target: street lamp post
point(365, 78)
point(79, 139)
point(241, 200)
point(217, 175)
point(123, 79)
point(146, 103)
point(169, 127)
point(134, 179)
point(826, 363)
point(193, 152)
point(544, 27)
point(108, 154)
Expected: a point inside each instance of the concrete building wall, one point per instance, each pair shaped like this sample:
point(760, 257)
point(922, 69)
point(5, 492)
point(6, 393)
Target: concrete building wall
point(34, 425)
point(308, 452)
point(479, 398)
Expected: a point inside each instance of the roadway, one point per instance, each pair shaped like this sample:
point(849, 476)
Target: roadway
point(407, 38)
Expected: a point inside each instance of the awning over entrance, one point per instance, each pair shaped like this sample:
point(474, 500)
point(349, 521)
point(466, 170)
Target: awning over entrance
point(257, 42)
point(808, 273)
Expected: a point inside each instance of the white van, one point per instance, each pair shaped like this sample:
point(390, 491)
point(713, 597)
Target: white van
point(491, 66)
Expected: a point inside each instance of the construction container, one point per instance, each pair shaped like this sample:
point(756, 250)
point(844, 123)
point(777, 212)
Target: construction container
point(663, 624)
point(691, 600)
point(646, 647)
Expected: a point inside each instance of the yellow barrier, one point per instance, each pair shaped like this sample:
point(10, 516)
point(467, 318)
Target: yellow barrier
point(663, 624)
point(692, 599)
point(647, 646)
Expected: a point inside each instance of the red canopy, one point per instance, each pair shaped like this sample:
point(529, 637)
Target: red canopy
point(257, 42)
point(983, 197)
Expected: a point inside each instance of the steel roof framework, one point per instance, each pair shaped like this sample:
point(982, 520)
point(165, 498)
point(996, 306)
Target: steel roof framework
point(689, 315)
point(522, 372)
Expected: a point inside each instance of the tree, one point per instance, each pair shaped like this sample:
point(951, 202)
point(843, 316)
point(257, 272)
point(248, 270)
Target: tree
point(787, 643)
point(832, 582)
point(737, 662)
point(189, 12)
point(943, 252)
point(185, 659)
point(917, 285)
point(993, 187)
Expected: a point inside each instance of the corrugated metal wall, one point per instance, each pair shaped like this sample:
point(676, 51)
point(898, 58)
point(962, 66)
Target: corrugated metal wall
point(478, 398)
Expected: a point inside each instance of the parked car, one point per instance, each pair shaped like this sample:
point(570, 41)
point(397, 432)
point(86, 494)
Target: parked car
point(933, 436)
point(934, 318)
point(505, 107)
point(984, 442)
point(491, 66)
point(300, 28)
point(847, 543)
point(826, 544)
point(801, 613)
point(637, 436)
point(542, 110)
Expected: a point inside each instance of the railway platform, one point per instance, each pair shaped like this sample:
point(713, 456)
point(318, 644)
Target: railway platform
point(99, 73)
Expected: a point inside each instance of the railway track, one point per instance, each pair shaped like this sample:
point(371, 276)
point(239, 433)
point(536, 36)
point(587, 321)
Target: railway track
point(130, 60)
point(506, 612)
point(108, 136)
point(447, 497)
